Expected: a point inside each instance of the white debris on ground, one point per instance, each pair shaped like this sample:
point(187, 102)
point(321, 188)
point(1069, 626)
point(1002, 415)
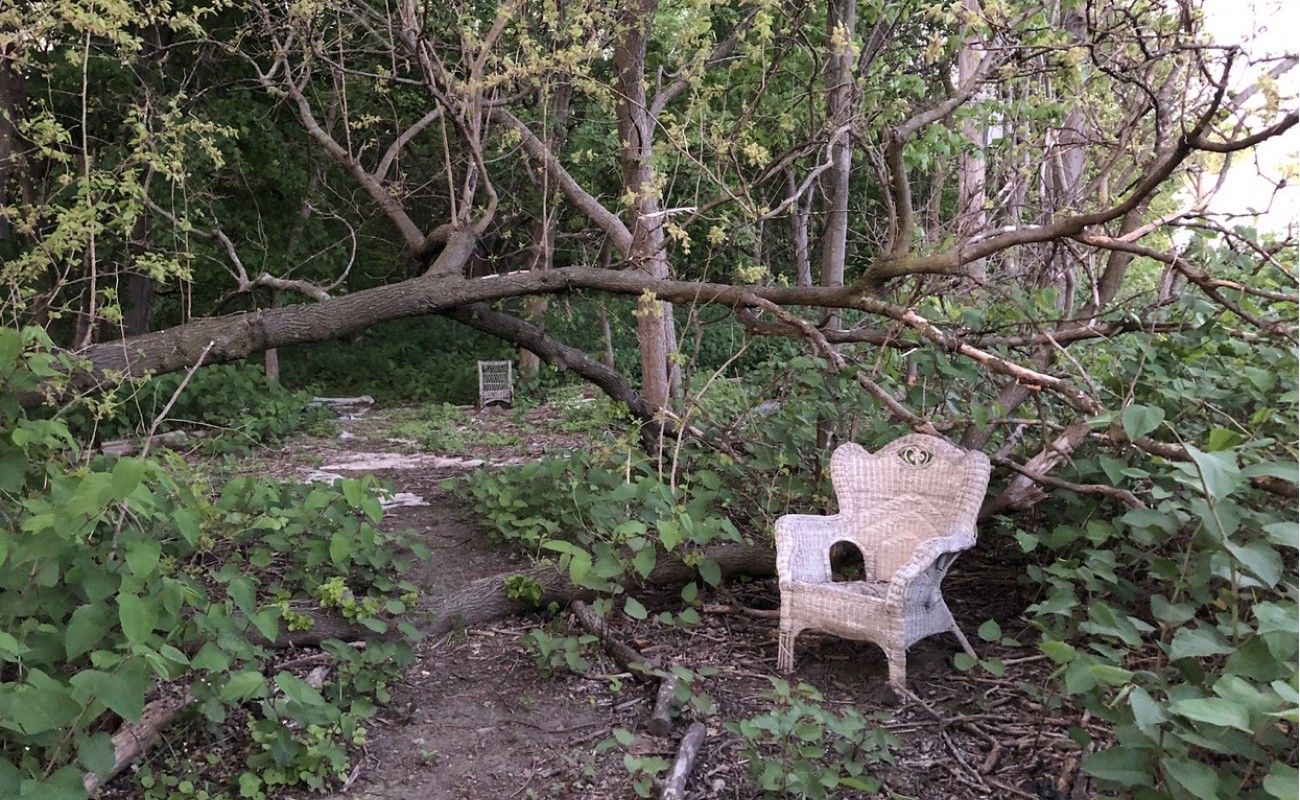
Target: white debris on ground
point(370, 462)
point(386, 499)
point(346, 407)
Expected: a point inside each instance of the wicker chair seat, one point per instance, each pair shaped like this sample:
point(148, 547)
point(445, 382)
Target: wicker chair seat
point(909, 508)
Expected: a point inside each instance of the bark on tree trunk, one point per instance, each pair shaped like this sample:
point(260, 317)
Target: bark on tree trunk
point(655, 330)
point(272, 356)
point(542, 246)
point(841, 23)
point(971, 216)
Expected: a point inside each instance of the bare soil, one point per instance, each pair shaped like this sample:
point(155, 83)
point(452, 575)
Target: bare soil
point(476, 719)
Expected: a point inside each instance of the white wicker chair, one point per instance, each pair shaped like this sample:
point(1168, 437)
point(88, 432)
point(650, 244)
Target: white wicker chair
point(910, 508)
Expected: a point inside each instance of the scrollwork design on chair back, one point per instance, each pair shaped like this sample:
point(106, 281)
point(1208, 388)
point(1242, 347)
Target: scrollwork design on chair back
point(916, 456)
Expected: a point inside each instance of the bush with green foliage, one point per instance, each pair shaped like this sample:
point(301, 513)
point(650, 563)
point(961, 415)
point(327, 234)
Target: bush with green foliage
point(799, 749)
point(118, 575)
point(1176, 622)
point(427, 360)
point(236, 401)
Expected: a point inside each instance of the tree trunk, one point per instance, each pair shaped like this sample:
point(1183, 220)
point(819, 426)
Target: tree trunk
point(841, 24)
point(542, 246)
point(971, 216)
point(655, 329)
point(271, 358)
point(799, 214)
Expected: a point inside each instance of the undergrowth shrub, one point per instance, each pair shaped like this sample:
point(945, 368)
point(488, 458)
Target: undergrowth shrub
point(800, 749)
point(236, 401)
point(426, 360)
point(1175, 622)
point(118, 576)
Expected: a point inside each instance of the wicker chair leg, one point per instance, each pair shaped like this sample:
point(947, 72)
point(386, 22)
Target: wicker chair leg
point(965, 645)
point(897, 666)
point(785, 650)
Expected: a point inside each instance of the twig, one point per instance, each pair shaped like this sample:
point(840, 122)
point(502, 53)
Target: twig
point(627, 657)
point(1123, 495)
point(661, 718)
point(675, 785)
point(162, 415)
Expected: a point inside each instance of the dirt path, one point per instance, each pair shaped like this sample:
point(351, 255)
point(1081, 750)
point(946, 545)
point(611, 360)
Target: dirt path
point(476, 719)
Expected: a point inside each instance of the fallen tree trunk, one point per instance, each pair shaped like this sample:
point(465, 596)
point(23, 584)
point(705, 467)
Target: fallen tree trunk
point(485, 599)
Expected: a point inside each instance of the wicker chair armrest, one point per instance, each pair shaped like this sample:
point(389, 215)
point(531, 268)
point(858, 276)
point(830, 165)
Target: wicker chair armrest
point(803, 542)
point(926, 554)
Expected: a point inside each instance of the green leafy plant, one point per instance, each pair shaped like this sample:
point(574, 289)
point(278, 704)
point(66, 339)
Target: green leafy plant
point(1175, 621)
point(120, 574)
point(234, 400)
point(800, 749)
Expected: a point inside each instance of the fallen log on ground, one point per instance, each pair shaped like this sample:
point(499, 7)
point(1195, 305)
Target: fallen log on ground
point(485, 599)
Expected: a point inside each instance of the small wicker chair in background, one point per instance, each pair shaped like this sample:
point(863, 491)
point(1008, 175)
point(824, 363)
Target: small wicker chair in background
point(910, 508)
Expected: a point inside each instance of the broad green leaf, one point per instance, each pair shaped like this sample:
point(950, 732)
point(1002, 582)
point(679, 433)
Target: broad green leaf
point(990, 631)
point(1120, 766)
point(86, 628)
point(579, 565)
point(1171, 613)
point(187, 523)
point(138, 616)
point(31, 710)
point(243, 686)
point(1147, 713)
point(1195, 777)
point(353, 491)
point(122, 692)
point(1260, 559)
point(1059, 652)
point(210, 657)
point(1283, 534)
point(1282, 781)
point(127, 474)
point(93, 493)
point(13, 471)
point(1218, 471)
point(644, 561)
point(1214, 711)
point(142, 556)
point(10, 648)
point(1198, 643)
point(240, 589)
point(1110, 675)
point(1138, 420)
point(633, 608)
point(1285, 470)
point(341, 545)
point(670, 534)
point(68, 783)
point(298, 690)
point(267, 622)
point(1274, 617)
point(710, 572)
point(10, 779)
